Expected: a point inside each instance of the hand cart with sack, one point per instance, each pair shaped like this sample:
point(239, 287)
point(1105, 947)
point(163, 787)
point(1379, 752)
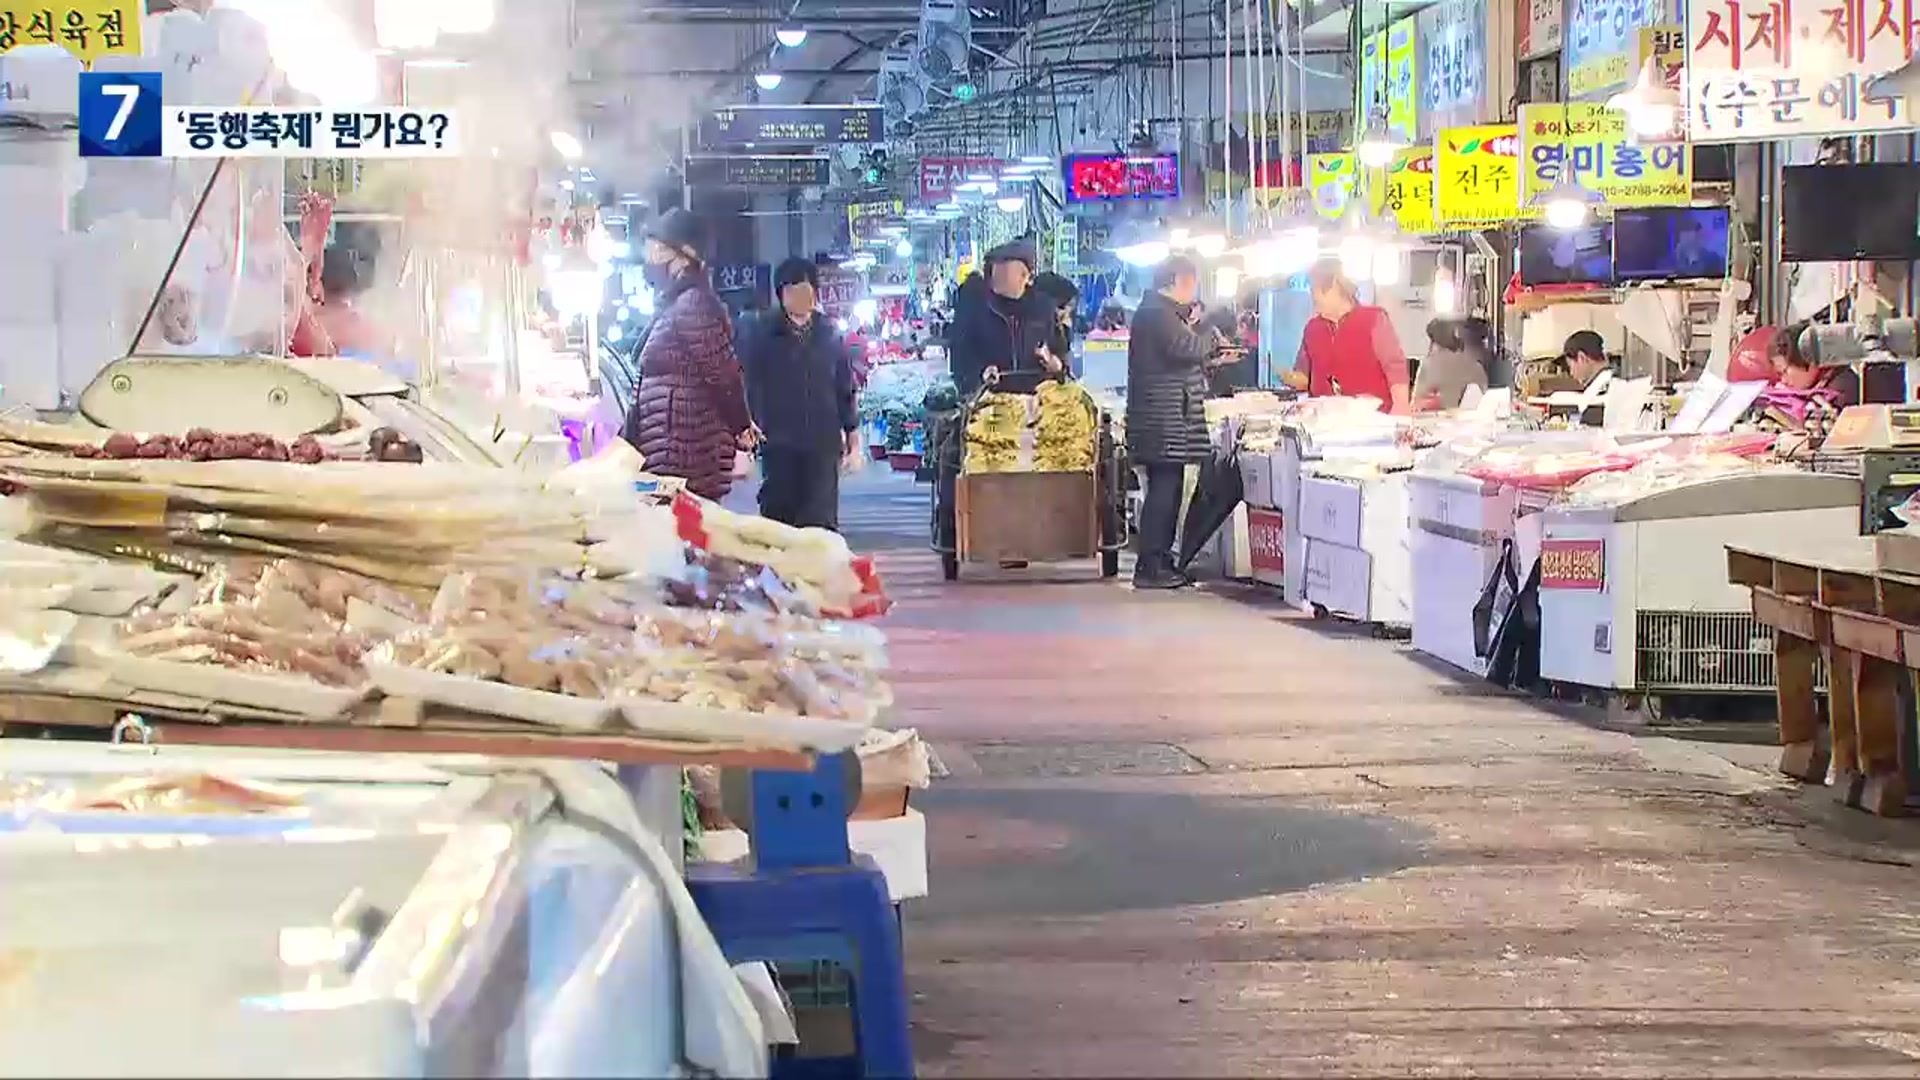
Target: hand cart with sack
point(1024, 516)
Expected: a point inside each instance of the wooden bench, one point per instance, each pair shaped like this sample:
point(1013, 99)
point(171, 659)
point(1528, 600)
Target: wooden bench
point(1835, 602)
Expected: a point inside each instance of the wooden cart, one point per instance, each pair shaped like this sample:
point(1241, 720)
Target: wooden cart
point(1029, 517)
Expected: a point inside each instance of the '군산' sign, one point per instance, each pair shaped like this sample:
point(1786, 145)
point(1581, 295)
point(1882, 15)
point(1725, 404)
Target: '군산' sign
point(1477, 176)
point(793, 125)
point(1601, 36)
point(757, 170)
point(1605, 157)
point(940, 175)
point(1781, 71)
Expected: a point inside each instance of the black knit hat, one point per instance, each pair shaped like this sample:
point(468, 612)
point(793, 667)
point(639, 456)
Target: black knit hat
point(1022, 250)
point(795, 270)
point(679, 229)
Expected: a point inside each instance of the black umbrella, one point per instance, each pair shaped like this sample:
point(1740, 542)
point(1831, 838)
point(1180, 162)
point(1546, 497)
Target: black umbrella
point(1218, 491)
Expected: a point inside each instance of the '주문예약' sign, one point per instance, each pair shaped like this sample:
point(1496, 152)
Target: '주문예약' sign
point(1778, 70)
point(1477, 176)
point(1605, 159)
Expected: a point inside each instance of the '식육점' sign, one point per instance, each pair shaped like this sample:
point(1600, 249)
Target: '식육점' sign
point(1603, 155)
point(1780, 70)
point(1477, 176)
point(89, 29)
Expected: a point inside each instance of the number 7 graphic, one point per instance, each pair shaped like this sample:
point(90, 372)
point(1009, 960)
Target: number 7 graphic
point(120, 114)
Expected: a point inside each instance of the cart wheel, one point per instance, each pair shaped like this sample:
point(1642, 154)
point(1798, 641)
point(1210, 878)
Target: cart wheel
point(950, 566)
point(1320, 612)
point(1110, 563)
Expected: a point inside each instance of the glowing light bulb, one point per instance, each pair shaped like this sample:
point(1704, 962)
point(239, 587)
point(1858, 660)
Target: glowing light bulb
point(904, 249)
point(1226, 281)
point(1566, 213)
point(1011, 203)
point(567, 145)
point(791, 37)
point(1211, 245)
point(1446, 297)
point(1356, 257)
point(1386, 265)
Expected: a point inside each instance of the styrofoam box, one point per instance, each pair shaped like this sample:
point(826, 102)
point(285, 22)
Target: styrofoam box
point(1257, 480)
point(1329, 511)
point(898, 845)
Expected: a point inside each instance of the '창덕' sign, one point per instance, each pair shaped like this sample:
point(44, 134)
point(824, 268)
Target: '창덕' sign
point(1573, 564)
point(1604, 157)
point(1404, 189)
point(1781, 70)
point(793, 125)
point(1477, 176)
point(89, 29)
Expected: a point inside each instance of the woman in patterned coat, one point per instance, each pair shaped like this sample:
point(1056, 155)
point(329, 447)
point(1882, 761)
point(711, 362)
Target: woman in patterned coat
point(690, 416)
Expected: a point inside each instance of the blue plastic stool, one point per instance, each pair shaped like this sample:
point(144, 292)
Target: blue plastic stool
point(805, 899)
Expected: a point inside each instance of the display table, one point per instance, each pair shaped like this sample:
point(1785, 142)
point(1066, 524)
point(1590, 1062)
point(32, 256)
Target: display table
point(1355, 541)
point(1833, 602)
point(1459, 527)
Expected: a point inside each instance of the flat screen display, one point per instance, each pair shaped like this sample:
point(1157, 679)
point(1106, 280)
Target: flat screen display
point(1838, 213)
point(1670, 243)
point(1116, 177)
point(1550, 256)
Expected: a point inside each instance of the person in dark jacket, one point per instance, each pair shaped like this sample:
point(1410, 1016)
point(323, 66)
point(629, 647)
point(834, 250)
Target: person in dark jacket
point(1000, 324)
point(1060, 291)
point(1167, 362)
point(800, 391)
point(690, 416)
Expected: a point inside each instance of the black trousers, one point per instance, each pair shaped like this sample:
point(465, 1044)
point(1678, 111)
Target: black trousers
point(800, 487)
point(1160, 513)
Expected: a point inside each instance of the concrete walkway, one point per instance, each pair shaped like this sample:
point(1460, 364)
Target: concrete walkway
point(1196, 835)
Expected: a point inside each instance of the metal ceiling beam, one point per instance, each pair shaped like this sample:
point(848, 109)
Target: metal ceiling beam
point(843, 19)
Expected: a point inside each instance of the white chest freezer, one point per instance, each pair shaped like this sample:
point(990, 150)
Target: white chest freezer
point(484, 919)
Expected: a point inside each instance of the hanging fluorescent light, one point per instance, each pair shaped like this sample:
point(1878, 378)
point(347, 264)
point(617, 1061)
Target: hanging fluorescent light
point(1446, 296)
point(1149, 253)
point(1017, 178)
point(767, 80)
point(1566, 203)
point(791, 37)
point(1035, 159)
point(1010, 203)
point(1652, 107)
point(1379, 143)
point(568, 146)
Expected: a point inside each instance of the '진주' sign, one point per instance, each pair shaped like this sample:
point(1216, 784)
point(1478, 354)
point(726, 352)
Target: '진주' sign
point(793, 125)
point(1785, 71)
point(1605, 158)
point(1477, 176)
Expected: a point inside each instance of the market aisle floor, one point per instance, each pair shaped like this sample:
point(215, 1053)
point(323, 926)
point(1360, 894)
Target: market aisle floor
point(1195, 835)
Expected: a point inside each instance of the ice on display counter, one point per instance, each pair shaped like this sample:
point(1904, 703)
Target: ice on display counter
point(363, 917)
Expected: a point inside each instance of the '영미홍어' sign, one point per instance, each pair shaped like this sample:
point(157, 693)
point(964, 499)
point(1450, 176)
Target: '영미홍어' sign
point(1604, 157)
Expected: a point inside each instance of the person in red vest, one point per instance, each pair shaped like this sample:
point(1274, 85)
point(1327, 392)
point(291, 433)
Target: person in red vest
point(1349, 349)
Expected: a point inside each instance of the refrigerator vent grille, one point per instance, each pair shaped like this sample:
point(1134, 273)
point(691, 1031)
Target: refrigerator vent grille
point(1705, 652)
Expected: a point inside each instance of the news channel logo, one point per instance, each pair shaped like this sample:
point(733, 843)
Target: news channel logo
point(122, 115)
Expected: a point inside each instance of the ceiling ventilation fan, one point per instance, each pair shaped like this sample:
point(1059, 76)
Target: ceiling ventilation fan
point(946, 39)
point(902, 89)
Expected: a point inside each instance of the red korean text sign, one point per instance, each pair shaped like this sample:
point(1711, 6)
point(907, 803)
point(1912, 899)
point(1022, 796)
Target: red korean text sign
point(1266, 541)
point(1573, 564)
point(1782, 69)
point(1119, 177)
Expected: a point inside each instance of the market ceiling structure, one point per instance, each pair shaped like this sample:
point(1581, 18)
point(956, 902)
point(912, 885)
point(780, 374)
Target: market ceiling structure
point(643, 69)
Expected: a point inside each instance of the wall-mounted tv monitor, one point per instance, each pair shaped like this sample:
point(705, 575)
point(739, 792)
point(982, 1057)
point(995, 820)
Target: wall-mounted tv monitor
point(1550, 256)
point(1670, 243)
point(1838, 213)
point(1118, 177)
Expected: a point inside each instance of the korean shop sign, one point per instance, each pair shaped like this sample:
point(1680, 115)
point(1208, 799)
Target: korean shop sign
point(1600, 39)
point(1330, 179)
point(1779, 70)
point(89, 29)
point(1539, 27)
point(1605, 158)
point(864, 219)
point(792, 126)
point(1389, 79)
point(1666, 46)
point(1404, 189)
point(939, 175)
point(1573, 564)
point(1453, 61)
point(1477, 176)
